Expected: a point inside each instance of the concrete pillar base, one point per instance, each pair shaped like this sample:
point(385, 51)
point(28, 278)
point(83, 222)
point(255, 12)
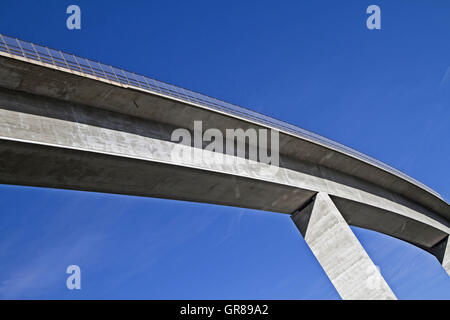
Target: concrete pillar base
point(339, 252)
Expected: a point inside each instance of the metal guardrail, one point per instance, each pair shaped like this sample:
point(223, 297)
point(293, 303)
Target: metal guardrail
point(57, 58)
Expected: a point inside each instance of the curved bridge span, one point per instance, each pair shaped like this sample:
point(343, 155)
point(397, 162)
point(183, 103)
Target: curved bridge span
point(68, 122)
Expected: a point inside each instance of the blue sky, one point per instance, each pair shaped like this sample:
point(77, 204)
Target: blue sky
point(313, 63)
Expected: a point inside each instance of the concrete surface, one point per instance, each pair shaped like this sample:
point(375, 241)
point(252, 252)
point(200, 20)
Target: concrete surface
point(339, 252)
point(63, 84)
point(62, 130)
point(442, 253)
point(39, 123)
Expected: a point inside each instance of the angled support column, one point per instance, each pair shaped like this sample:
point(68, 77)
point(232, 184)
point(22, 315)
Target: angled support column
point(442, 252)
point(339, 252)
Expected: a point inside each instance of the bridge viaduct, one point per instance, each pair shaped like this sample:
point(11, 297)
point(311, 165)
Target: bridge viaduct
point(68, 122)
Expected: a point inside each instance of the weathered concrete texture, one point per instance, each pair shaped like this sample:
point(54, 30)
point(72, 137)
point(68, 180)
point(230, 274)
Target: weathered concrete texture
point(33, 77)
point(134, 151)
point(339, 252)
point(100, 172)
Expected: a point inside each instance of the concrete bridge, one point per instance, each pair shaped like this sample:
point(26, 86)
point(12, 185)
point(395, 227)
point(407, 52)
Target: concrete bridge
point(72, 123)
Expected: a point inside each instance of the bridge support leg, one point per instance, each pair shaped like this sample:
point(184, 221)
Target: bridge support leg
point(442, 253)
point(339, 252)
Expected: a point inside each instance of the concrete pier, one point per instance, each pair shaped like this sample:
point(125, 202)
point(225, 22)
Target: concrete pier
point(339, 252)
point(442, 253)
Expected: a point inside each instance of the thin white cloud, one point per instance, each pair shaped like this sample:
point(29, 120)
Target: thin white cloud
point(445, 77)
